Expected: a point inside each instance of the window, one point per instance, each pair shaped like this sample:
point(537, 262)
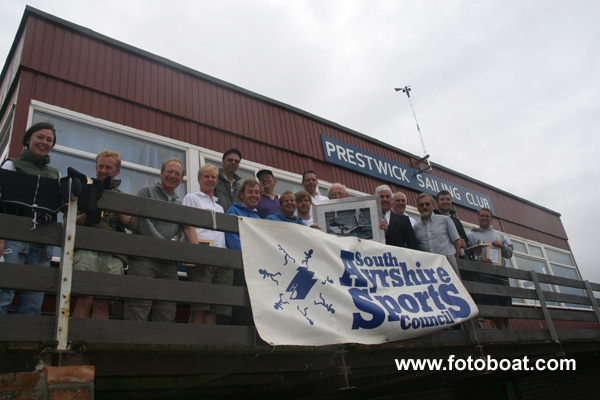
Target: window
point(539, 266)
point(535, 251)
point(559, 257)
point(78, 142)
point(519, 246)
point(572, 274)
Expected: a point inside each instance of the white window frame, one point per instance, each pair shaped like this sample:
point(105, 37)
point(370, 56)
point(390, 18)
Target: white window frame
point(117, 128)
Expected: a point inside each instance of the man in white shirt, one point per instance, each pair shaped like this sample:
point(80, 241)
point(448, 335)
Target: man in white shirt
point(205, 199)
point(311, 185)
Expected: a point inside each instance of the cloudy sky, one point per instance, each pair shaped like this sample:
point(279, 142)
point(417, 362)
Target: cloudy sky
point(506, 91)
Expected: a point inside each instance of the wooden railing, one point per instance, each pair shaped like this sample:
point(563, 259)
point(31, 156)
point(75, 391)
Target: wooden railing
point(64, 330)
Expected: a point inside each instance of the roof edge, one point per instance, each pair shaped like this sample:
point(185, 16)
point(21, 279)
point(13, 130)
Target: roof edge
point(89, 32)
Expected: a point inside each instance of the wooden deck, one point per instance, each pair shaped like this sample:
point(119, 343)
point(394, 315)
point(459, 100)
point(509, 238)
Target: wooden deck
point(178, 360)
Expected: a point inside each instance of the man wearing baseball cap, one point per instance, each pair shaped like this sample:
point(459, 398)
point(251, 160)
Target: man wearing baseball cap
point(269, 202)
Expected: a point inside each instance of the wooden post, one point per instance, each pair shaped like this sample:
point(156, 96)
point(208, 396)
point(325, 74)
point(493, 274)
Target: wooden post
point(590, 293)
point(541, 298)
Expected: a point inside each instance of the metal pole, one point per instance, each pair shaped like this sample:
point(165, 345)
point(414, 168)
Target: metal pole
point(63, 296)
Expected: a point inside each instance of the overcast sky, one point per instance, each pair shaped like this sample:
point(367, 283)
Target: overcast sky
point(505, 91)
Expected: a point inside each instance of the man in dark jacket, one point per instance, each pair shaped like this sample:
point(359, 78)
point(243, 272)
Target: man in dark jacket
point(444, 207)
point(400, 232)
point(228, 185)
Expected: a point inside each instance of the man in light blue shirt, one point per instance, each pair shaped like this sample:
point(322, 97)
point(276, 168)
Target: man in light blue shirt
point(436, 233)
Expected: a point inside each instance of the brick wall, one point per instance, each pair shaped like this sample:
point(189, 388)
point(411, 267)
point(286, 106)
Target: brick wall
point(55, 383)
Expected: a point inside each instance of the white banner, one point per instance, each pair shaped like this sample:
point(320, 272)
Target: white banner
point(311, 288)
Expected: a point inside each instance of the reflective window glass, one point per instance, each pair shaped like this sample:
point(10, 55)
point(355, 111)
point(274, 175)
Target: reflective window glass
point(529, 264)
point(559, 257)
point(535, 251)
point(93, 139)
point(572, 274)
point(80, 136)
point(519, 246)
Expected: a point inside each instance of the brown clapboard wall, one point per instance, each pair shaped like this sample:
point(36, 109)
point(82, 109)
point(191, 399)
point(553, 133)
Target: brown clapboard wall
point(71, 67)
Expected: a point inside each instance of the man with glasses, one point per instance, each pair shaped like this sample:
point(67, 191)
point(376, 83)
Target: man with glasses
point(228, 184)
point(436, 233)
point(171, 175)
point(337, 191)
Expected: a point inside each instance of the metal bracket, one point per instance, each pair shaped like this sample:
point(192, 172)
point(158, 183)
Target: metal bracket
point(424, 161)
point(345, 370)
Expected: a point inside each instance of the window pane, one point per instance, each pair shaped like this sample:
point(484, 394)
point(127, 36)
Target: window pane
point(572, 274)
point(519, 246)
point(529, 265)
point(539, 267)
point(81, 136)
point(564, 272)
point(283, 185)
point(559, 257)
point(509, 263)
point(535, 251)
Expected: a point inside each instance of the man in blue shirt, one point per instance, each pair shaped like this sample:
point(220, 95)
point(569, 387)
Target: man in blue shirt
point(249, 194)
point(287, 200)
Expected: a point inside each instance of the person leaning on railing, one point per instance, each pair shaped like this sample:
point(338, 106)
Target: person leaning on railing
point(486, 233)
point(249, 196)
point(205, 199)
point(108, 166)
point(171, 176)
point(38, 141)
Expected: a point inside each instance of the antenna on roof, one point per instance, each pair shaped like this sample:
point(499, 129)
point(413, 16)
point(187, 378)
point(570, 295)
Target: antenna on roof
point(425, 158)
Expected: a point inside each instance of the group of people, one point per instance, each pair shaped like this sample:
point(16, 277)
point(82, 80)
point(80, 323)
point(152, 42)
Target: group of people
point(221, 190)
point(439, 231)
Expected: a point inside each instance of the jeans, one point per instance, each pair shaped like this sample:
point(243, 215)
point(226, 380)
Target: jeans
point(29, 302)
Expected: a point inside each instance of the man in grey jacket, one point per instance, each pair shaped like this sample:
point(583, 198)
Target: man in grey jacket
point(486, 234)
point(171, 175)
point(228, 184)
